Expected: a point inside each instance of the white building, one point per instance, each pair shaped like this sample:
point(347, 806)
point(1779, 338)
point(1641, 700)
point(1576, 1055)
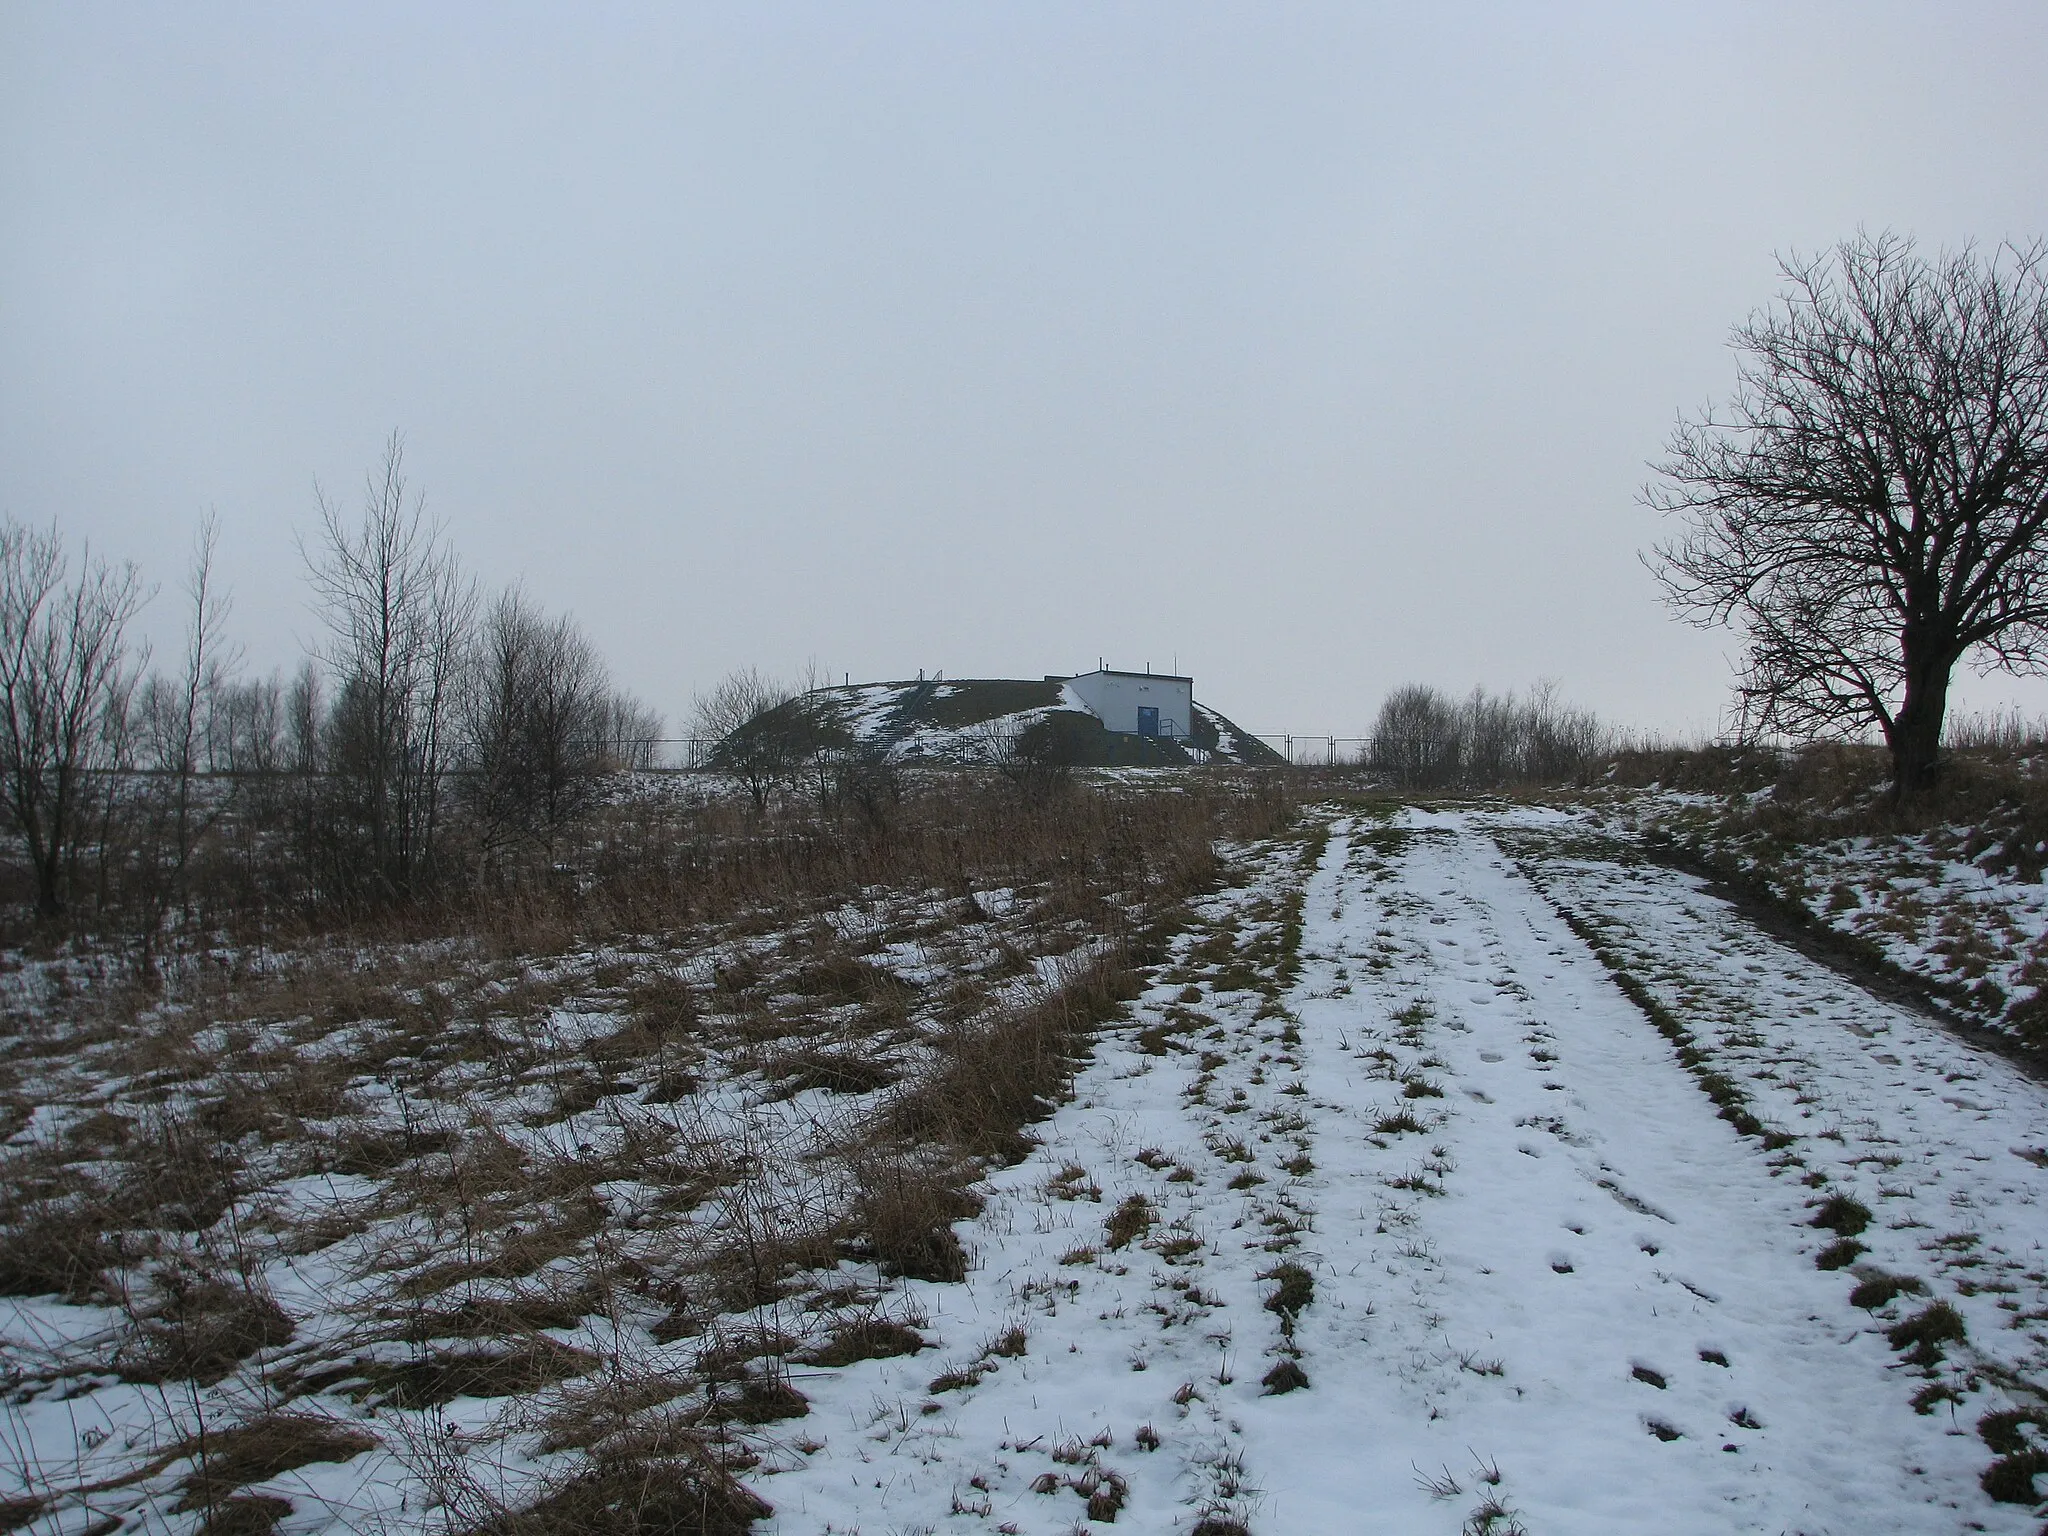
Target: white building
point(1137, 703)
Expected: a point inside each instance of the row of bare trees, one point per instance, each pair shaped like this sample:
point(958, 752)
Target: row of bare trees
point(1426, 739)
point(432, 735)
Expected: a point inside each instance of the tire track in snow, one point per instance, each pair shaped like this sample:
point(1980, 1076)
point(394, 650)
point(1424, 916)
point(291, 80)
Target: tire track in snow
point(1602, 1239)
point(1938, 1139)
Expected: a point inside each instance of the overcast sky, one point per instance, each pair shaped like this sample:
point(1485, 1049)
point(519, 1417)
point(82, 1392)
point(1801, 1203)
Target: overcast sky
point(1316, 348)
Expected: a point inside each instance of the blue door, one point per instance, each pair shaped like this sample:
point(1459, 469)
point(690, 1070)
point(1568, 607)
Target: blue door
point(1148, 721)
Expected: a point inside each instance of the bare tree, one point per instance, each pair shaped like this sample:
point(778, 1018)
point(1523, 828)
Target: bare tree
point(536, 723)
point(1491, 733)
point(175, 719)
point(245, 729)
point(65, 681)
point(1559, 741)
point(1416, 739)
point(631, 733)
point(304, 764)
point(1870, 505)
point(739, 697)
point(398, 613)
point(733, 729)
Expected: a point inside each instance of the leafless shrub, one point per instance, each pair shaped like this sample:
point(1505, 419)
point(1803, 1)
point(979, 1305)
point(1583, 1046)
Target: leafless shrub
point(1038, 761)
point(758, 730)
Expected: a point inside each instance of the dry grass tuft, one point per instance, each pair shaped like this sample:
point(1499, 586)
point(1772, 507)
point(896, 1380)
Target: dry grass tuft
point(202, 1329)
point(489, 1317)
point(1284, 1377)
point(264, 1448)
point(1844, 1215)
point(756, 1400)
point(867, 1338)
point(1923, 1334)
point(1129, 1221)
point(999, 1075)
point(437, 1376)
point(56, 1249)
point(642, 1494)
point(248, 1514)
point(835, 1071)
point(905, 1212)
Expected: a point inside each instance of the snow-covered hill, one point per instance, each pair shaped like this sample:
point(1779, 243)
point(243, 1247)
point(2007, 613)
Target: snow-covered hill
point(964, 721)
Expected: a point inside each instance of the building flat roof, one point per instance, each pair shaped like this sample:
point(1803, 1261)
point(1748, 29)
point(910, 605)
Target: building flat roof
point(1164, 677)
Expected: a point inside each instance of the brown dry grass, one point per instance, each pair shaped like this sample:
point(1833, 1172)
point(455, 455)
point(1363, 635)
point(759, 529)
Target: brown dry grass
point(481, 1368)
point(200, 1329)
point(1000, 1074)
point(669, 1487)
point(490, 1088)
point(262, 1448)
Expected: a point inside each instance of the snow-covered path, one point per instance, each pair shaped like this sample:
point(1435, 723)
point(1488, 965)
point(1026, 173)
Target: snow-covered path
point(1547, 1286)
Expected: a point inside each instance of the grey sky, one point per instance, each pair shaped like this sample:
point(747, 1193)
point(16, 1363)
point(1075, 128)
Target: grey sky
point(1319, 347)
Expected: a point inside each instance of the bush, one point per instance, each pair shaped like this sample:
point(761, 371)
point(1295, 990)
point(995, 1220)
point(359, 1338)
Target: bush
point(1423, 739)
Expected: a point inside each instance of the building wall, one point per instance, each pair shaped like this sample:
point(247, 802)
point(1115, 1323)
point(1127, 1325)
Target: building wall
point(1116, 697)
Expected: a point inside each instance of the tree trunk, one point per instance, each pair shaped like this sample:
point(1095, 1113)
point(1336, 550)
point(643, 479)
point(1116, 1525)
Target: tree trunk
point(49, 887)
point(1915, 733)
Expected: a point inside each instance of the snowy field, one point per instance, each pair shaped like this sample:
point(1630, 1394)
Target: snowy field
point(1457, 1172)
point(1547, 1286)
